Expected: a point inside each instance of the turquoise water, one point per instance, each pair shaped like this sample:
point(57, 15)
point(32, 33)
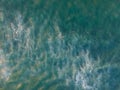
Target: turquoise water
point(59, 45)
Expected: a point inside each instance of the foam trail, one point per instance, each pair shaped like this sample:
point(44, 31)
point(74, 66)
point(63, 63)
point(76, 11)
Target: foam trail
point(5, 71)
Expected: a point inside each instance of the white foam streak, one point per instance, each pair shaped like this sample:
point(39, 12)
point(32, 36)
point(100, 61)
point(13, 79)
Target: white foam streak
point(4, 69)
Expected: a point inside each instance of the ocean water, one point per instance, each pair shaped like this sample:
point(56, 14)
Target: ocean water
point(59, 45)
